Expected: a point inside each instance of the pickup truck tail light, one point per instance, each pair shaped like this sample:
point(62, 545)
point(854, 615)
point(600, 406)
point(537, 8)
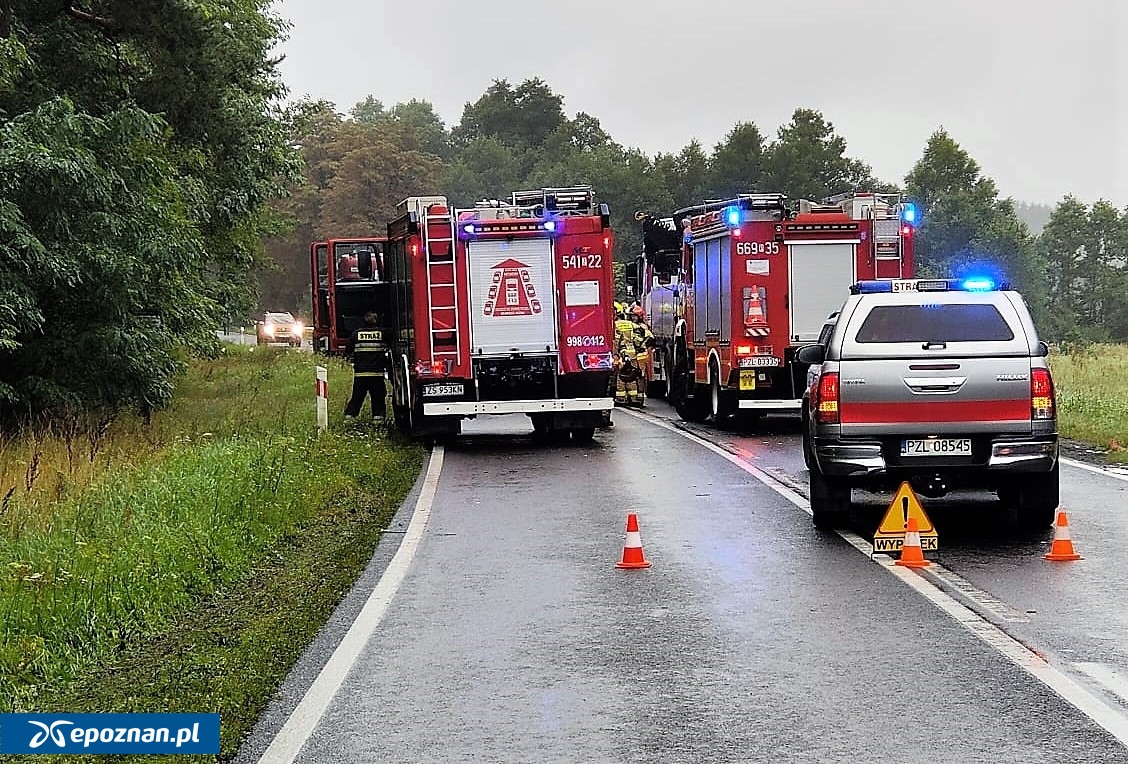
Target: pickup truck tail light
point(826, 398)
point(1042, 403)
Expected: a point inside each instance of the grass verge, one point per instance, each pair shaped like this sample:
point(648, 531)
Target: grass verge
point(189, 566)
point(1092, 395)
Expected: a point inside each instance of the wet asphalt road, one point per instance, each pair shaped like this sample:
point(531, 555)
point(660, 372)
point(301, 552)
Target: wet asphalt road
point(1076, 614)
point(752, 638)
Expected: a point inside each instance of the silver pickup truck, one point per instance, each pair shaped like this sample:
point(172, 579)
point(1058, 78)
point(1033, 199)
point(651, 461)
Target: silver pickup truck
point(943, 383)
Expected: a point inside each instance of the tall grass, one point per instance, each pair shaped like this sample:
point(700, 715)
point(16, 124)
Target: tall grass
point(109, 544)
point(1092, 395)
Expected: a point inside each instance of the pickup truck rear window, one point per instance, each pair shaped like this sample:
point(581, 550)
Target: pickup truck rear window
point(934, 323)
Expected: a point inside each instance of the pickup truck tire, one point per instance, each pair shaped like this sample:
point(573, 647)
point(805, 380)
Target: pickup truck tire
point(830, 500)
point(1037, 498)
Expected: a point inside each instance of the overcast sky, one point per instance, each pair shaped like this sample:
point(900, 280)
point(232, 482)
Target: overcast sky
point(1035, 90)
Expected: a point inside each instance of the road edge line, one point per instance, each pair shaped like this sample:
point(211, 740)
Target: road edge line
point(1108, 718)
point(1092, 468)
point(299, 726)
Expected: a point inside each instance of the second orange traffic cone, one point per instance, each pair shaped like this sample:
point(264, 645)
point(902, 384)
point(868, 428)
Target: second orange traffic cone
point(912, 555)
point(632, 548)
point(1062, 548)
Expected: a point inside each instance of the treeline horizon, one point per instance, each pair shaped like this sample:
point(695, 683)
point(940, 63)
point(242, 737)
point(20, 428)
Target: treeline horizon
point(1068, 260)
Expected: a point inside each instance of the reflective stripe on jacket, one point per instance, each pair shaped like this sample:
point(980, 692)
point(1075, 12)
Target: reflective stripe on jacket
point(369, 352)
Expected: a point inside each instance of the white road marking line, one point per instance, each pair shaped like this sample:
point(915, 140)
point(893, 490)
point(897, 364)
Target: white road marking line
point(995, 607)
point(301, 723)
point(1091, 468)
point(1107, 676)
point(1114, 721)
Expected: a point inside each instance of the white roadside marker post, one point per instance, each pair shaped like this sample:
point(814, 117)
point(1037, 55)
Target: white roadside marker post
point(322, 399)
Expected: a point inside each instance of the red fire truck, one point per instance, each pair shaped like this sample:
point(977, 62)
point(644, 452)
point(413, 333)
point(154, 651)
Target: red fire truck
point(504, 308)
point(733, 288)
point(348, 280)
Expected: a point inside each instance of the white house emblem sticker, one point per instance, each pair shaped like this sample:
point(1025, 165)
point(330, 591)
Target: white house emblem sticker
point(511, 291)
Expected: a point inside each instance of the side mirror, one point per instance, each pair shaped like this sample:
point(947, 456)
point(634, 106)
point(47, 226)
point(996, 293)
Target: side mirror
point(811, 354)
point(1043, 349)
point(364, 265)
point(631, 270)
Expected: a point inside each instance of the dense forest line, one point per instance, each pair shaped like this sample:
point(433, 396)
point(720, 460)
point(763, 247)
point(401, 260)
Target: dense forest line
point(154, 185)
point(359, 164)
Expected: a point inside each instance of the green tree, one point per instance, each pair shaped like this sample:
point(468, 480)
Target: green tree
point(356, 172)
point(485, 168)
point(684, 174)
point(129, 235)
point(1085, 249)
point(420, 118)
point(523, 117)
point(966, 228)
point(808, 160)
point(370, 111)
point(738, 163)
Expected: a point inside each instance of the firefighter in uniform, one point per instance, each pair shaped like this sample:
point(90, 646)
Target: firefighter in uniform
point(369, 356)
point(624, 343)
point(643, 341)
point(626, 386)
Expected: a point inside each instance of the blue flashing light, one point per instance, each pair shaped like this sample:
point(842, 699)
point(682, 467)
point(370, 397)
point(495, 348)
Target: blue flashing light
point(909, 213)
point(733, 217)
point(469, 229)
point(977, 285)
point(549, 225)
point(873, 287)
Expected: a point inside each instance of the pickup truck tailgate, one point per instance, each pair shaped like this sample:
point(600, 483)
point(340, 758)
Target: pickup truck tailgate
point(956, 396)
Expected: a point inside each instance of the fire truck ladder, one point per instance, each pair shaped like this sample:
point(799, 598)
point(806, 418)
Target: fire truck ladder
point(442, 286)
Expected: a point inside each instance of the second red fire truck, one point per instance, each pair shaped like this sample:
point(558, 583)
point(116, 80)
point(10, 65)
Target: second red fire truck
point(733, 288)
point(503, 308)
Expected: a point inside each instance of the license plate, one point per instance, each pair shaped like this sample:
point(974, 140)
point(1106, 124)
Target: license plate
point(747, 380)
point(936, 447)
point(759, 362)
point(433, 391)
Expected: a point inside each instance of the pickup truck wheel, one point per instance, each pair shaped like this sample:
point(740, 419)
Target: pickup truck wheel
point(830, 500)
point(1037, 498)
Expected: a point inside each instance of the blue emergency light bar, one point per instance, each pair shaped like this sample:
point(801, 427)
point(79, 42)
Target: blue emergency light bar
point(909, 213)
point(886, 286)
point(467, 230)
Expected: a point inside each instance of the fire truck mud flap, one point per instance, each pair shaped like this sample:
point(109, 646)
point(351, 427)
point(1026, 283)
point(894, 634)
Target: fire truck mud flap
point(468, 408)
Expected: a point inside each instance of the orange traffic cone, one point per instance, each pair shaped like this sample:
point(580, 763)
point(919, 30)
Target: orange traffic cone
point(1062, 548)
point(755, 323)
point(912, 555)
point(632, 548)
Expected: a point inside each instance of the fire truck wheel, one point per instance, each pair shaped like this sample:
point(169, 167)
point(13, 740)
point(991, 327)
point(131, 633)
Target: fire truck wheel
point(583, 434)
point(720, 404)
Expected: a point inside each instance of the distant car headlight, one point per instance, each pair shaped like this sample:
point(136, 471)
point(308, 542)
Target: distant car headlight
point(268, 328)
point(296, 328)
